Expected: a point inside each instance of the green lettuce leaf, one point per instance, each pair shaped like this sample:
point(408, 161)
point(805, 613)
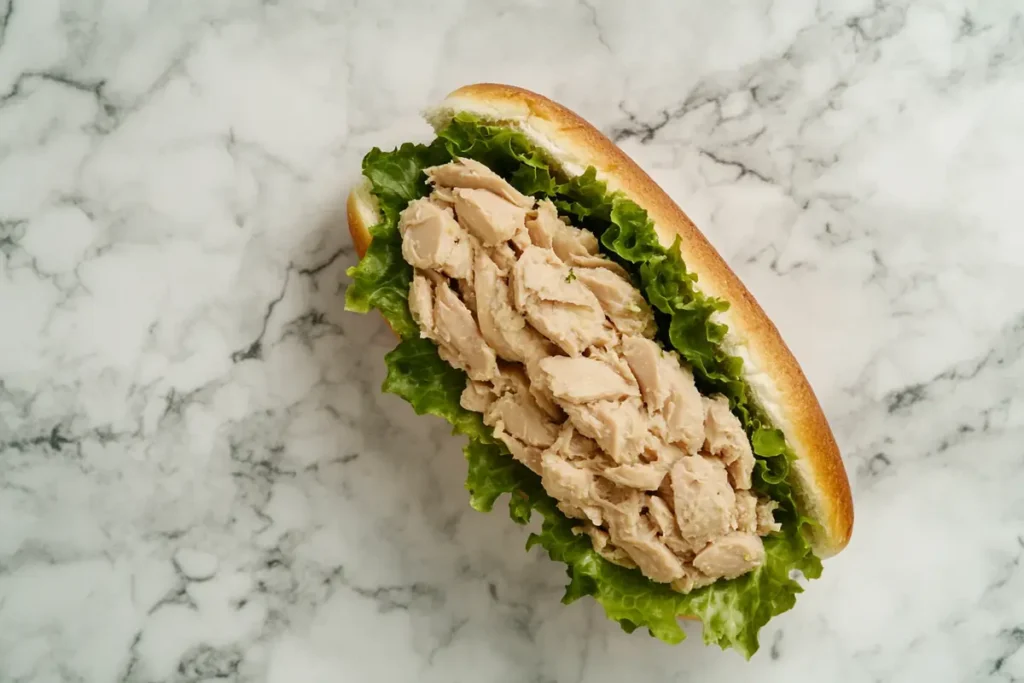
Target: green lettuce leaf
point(732, 612)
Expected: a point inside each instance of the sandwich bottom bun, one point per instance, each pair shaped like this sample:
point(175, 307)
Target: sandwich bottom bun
point(774, 376)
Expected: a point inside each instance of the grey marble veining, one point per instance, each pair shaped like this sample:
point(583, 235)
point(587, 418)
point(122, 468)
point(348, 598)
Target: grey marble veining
point(199, 478)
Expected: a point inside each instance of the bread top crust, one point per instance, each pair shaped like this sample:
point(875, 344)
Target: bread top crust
point(772, 372)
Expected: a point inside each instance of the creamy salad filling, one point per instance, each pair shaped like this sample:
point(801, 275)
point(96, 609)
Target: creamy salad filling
point(559, 347)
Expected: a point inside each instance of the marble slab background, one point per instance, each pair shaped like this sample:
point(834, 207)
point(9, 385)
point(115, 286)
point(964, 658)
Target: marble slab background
point(199, 479)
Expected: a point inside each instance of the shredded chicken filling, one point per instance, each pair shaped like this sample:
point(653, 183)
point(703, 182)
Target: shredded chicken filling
point(558, 345)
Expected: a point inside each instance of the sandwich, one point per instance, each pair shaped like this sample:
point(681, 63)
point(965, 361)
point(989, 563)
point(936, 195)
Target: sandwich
point(611, 373)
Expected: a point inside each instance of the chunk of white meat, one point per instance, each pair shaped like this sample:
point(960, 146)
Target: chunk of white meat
point(680, 546)
point(656, 459)
point(584, 380)
point(704, 502)
point(540, 391)
point(504, 257)
point(521, 451)
point(669, 391)
point(421, 304)
point(522, 418)
point(516, 417)
point(472, 174)
point(622, 302)
point(457, 333)
point(618, 427)
point(691, 580)
point(741, 472)
point(555, 303)
point(432, 239)
point(467, 295)
point(477, 396)
point(591, 513)
point(504, 327)
point(521, 240)
point(644, 357)
point(487, 216)
point(661, 515)
point(657, 452)
point(660, 509)
point(640, 476)
point(730, 556)
point(592, 261)
point(571, 445)
point(466, 286)
point(726, 439)
point(633, 531)
point(443, 197)
point(666, 494)
point(547, 230)
point(766, 523)
point(565, 482)
point(610, 356)
point(746, 512)
point(604, 547)
point(516, 378)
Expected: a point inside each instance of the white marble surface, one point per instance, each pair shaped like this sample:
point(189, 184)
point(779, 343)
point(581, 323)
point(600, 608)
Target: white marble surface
point(199, 479)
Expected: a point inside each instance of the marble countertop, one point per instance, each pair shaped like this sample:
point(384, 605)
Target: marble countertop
point(199, 478)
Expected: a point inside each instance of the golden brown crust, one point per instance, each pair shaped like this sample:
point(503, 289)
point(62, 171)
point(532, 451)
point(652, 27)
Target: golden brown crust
point(362, 214)
point(357, 209)
point(824, 488)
